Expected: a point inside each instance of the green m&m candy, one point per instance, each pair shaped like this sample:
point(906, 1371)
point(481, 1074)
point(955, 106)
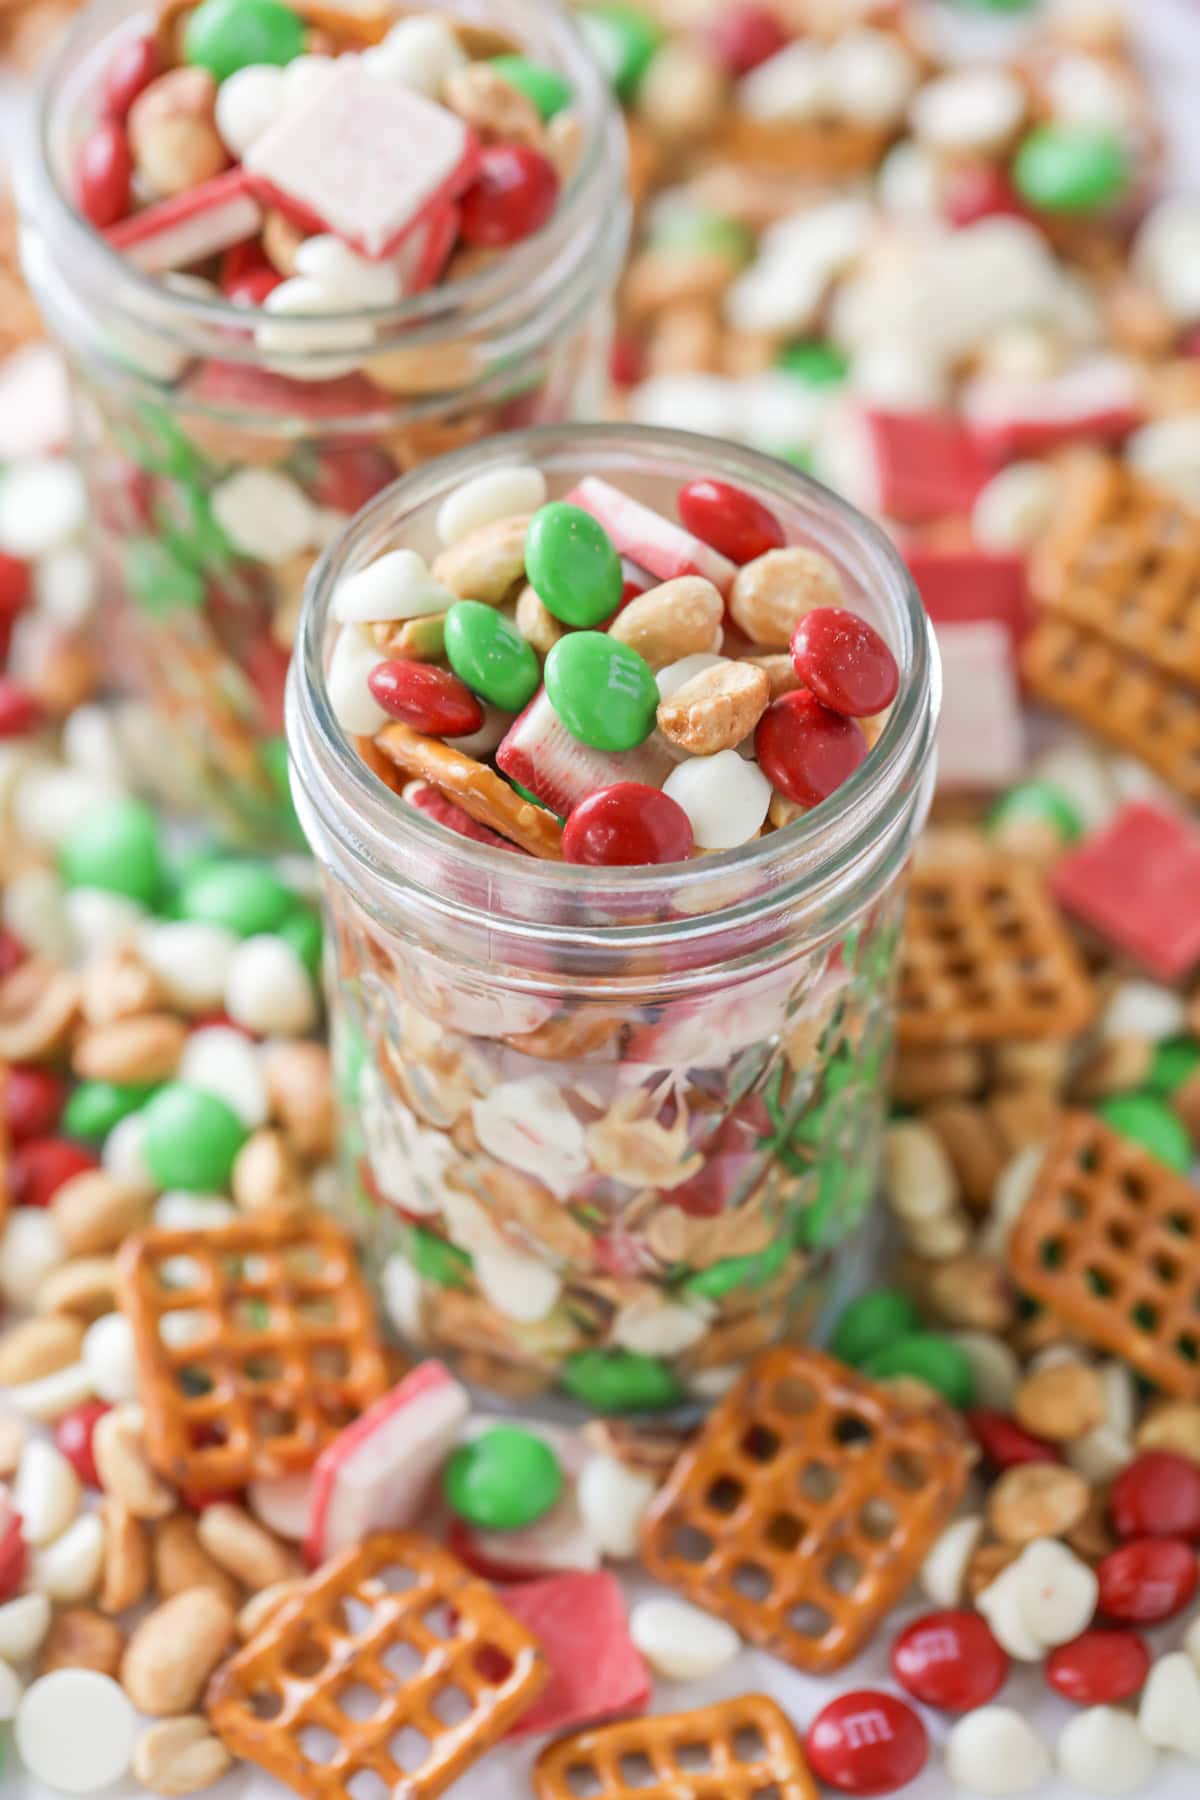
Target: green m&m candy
point(814, 362)
point(1175, 1061)
point(116, 847)
point(302, 929)
point(191, 1140)
point(571, 562)
point(1149, 1121)
point(159, 580)
point(927, 1357)
point(623, 39)
point(603, 691)
point(616, 1381)
point(704, 233)
point(224, 36)
point(436, 1259)
point(872, 1322)
point(1036, 804)
point(503, 1479)
point(547, 89)
point(490, 655)
point(96, 1106)
point(244, 896)
point(1071, 168)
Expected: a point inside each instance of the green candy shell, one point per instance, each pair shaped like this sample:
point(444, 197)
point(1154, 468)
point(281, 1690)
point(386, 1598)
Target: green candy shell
point(1147, 1120)
point(1071, 169)
point(242, 895)
point(490, 655)
point(1042, 803)
point(572, 564)
point(191, 1139)
point(814, 362)
point(934, 1360)
point(116, 847)
point(224, 36)
point(1175, 1061)
point(618, 1381)
point(438, 1261)
point(624, 40)
point(160, 581)
point(502, 1480)
point(548, 90)
point(602, 690)
point(96, 1106)
point(872, 1322)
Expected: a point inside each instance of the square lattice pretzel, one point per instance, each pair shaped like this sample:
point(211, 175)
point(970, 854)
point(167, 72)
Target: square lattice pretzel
point(256, 1343)
point(1109, 1239)
point(1123, 559)
point(987, 957)
point(1122, 699)
point(394, 1665)
point(804, 1507)
point(736, 1750)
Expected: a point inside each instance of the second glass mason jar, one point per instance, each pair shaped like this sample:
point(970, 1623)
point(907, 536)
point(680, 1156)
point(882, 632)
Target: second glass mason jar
point(174, 398)
point(611, 1131)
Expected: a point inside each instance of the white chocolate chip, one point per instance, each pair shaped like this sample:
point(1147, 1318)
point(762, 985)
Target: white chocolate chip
point(42, 506)
point(353, 704)
point(224, 1062)
point(1014, 507)
point(943, 1574)
point(421, 53)
point(790, 87)
point(1058, 1591)
point(69, 1568)
point(349, 280)
point(994, 1366)
point(970, 109)
point(870, 77)
point(996, 1751)
point(1100, 1453)
point(519, 1287)
point(496, 494)
point(24, 1622)
point(46, 1493)
point(95, 1750)
point(658, 1328)
point(123, 1156)
point(268, 989)
point(395, 586)
point(680, 1642)
point(11, 1689)
point(725, 796)
point(612, 1501)
point(1102, 1751)
point(109, 1358)
point(247, 102)
point(1169, 1712)
point(263, 514)
point(528, 1124)
point(1001, 1605)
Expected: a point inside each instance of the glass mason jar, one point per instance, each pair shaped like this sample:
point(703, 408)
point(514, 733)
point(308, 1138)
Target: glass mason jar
point(611, 1131)
point(174, 397)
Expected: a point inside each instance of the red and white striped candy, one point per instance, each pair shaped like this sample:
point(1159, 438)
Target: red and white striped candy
point(540, 753)
point(1097, 400)
point(191, 226)
point(648, 538)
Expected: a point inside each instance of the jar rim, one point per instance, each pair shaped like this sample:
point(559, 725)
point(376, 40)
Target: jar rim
point(377, 830)
point(487, 298)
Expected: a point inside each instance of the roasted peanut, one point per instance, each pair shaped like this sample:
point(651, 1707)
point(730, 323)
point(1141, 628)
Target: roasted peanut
point(39, 1004)
point(536, 624)
point(261, 1608)
point(676, 619)
point(118, 985)
point(267, 1176)
point(174, 1650)
point(771, 595)
point(717, 709)
point(79, 1638)
point(84, 1288)
point(245, 1548)
point(300, 1093)
point(973, 1143)
point(972, 1292)
point(488, 563)
point(919, 1178)
point(37, 1347)
point(780, 672)
point(95, 1214)
point(174, 140)
point(124, 1468)
point(281, 238)
point(497, 110)
point(1035, 1500)
point(1060, 1402)
point(180, 1756)
point(143, 1049)
point(1175, 1425)
point(125, 1573)
point(180, 1562)
point(943, 1072)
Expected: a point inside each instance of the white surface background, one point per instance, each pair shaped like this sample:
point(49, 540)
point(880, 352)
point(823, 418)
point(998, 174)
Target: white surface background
point(1169, 31)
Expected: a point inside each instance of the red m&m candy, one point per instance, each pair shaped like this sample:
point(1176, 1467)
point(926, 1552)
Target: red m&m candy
point(1004, 1442)
point(627, 825)
point(513, 195)
point(426, 698)
point(1099, 1667)
point(1147, 1579)
point(744, 36)
point(13, 1554)
point(41, 1166)
point(1157, 1495)
point(33, 1102)
point(866, 1743)
point(949, 1659)
point(104, 175)
point(729, 519)
point(348, 475)
point(806, 750)
point(132, 67)
point(73, 1436)
point(844, 661)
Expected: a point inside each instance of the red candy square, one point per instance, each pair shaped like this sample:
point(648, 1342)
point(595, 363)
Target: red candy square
point(595, 1672)
point(1138, 883)
point(926, 465)
point(964, 586)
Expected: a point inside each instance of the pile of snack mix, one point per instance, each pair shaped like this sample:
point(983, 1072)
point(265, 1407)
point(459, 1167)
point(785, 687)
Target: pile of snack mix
point(237, 1526)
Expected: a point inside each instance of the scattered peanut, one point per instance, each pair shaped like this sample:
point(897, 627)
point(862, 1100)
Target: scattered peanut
point(1061, 1401)
point(180, 1561)
point(180, 1756)
point(174, 1650)
point(124, 1468)
point(143, 1049)
point(488, 564)
point(242, 1546)
point(261, 1608)
point(480, 95)
point(125, 1573)
point(715, 710)
point(37, 1347)
point(676, 619)
point(95, 1214)
point(79, 1638)
point(1033, 1500)
point(771, 595)
point(267, 1175)
point(85, 1288)
point(174, 141)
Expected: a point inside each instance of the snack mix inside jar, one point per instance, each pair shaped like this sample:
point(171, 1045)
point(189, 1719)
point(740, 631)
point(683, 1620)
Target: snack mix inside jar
point(293, 252)
point(615, 884)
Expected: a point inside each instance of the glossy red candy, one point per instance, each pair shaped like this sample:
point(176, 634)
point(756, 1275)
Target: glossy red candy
point(12, 951)
point(132, 67)
point(16, 584)
point(867, 1742)
point(103, 174)
point(806, 750)
point(977, 191)
point(729, 519)
point(40, 1166)
point(251, 287)
point(513, 195)
point(73, 1436)
point(426, 698)
point(1099, 1667)
point(1004, 1443)
point(1157, 1495)
point(13, 1555)
point(348, 475)
point(627, 825)
point(33, 1102)
point(1146, 1580)
point(19, 711)
point(844, 661)
point(744, 36)
point(949, 1659)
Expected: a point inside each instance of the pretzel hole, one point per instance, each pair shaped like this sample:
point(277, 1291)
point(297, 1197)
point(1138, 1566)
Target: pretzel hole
point(785, 1531)
point(1165, 1268)
point(691, 1545)
point(317, 1744)
point(843, 1572)
point(582, 1781)
point(176, 1272)
point(303, 1262)
point(877, 1521)
point(1188, 1347)
point(439, 1621)
point(396, 1578)
point(263, 1368)
point(409, 1749)
point(793, 1395)
point(774, 1792)
point(193, 1380)
point(818, 1482)
point(1119, 1236)
point(749, 1745)
point(849, 1428)
point(358, 1701)
point(274, 1421)
point(453, 1705)
point(250, 1315)
point(809, 1620)
point(724, 1495)
point(331, 1361)
point(637, 1771)
point(1144, 1316)
point(367, 1784)
point(1051, 1253)
point(403, 1659)
point(208, 1434)
point(1179, 1223)
point(751, 1580)
point(1101, 1283)
point(354, 1618)
point(307, 1658)
point(907, 1471)
point(760, 1445)
point(265, 1703)
point(320, 1309)
point(694, 1758)
point(493, 1664)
